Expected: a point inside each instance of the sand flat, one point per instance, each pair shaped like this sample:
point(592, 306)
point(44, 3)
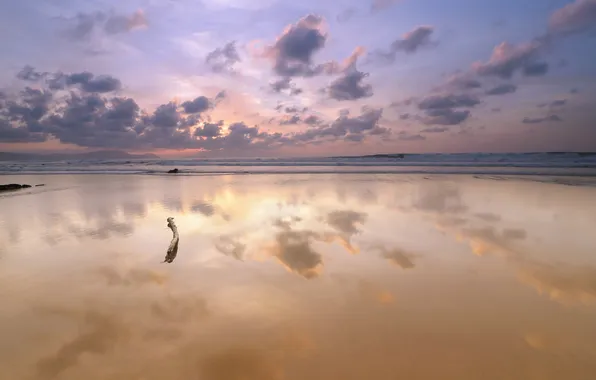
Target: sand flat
point(301, 276)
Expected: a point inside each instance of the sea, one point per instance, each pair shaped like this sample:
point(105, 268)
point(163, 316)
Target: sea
point(537, 164)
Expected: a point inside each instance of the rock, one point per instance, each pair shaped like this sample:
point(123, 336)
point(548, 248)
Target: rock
point(40, 185)
point(173, 171)
point(13, 186)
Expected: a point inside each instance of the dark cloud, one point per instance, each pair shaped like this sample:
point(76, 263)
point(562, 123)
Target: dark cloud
point(98, 334)
point(84, 25)
point(507, 59)
point(344, 125)
point(538, 120)
point(445, 116)
point(294, 250)
point(574, 91)
point(104, 83)
point(502, 89)
point(209, 130)
point(440, 198)
point(379, 5)
point(349, 86)
point(290, 120)
point(576, 17)
point(11, 134)
point(283, 84)
point(206, 209)
point(554, 104)
point(448, 101)
point(85, 80)
point(198, 105)
point(28, 73)
point(312, 120)
point(400, 258)
point(405, 136)
point(434, 130)
point(410, 43)
point(89, 118)
point(230, 247)
point(463, 82)
point(404, 116)
point(120, 24)
point(294, 49)
point(562, 282)
point(346, 221)
point(20, 120)
point(535, 69)
point(223, 59)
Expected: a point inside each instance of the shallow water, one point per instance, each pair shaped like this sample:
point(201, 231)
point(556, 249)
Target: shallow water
point(297, 276)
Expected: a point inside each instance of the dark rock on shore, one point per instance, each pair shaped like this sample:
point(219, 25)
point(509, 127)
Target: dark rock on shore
point(173, 171)
point(40, 185)
point(13, 186)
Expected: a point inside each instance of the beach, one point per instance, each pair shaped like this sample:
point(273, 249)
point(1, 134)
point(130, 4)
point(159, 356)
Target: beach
point(298, 276)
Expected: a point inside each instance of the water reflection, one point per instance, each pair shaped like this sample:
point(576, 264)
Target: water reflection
point(301, 276)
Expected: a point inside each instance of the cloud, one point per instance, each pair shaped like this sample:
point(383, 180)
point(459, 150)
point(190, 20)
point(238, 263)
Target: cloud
point(198, 105)
point(294, 50)
point(290, 120)
point(448, 101)
point(120, 24)
point(410, 43)
point(285, 84)
point(434, 130)
point(346, 221)
point(28, 73)
point(204, 208)
point(85, 80)
point(84, 25)
point(346, 15)
point(439, 198)
point(294, 250)
point(379, 5)
point(562, 282)
point(97, 119)
point(230, 247)
point(100, 333)
point(364, 124)
point(312, 120)
point(535, 69)
point(409, 137)
point(557, 104)
point(209, 130)
point(349, 86)
point(223, 59)
point(134, 277)
point(400, 258)
point(502, 89)
point(576, 17)
point(445, 116)
point(441, 109)
point(463, 82)
point(507, 59)
point(538, 120)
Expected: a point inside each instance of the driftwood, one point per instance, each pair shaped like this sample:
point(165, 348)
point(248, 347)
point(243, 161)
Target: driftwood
point(173, 248)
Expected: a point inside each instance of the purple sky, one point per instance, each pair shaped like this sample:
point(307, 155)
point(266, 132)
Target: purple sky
point(283, 78)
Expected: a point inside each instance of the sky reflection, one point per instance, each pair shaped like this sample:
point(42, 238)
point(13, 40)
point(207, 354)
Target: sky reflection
point(301, 276)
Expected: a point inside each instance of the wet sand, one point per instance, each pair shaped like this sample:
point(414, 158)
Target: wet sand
point(320, 276)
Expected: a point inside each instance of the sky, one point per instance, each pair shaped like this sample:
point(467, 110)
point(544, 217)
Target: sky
point(246, 78)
